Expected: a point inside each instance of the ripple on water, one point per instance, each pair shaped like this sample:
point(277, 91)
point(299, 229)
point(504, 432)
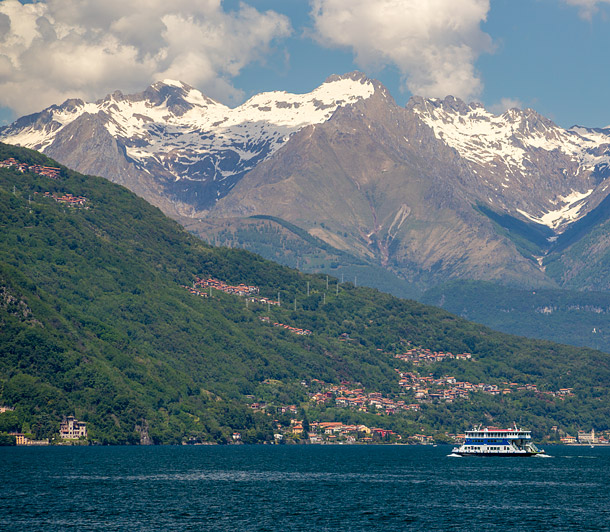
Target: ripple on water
point(300, 488)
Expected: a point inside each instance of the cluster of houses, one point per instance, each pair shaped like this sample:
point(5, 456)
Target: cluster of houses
point(335, 432)
point(195, 291)
point(237, 290)
point(587, 438)
point(241, 290)
point(295, 330)
point(322, 431)
point(345, 396)
point(447, 388)
point(420, 355)
point(69, 199)
point(47, 171)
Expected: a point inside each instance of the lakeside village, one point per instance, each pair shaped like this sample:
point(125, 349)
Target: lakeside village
point(355, 397)
point(422, 388)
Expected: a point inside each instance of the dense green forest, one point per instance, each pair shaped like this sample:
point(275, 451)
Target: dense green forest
point(96, 321)
point(567, 316)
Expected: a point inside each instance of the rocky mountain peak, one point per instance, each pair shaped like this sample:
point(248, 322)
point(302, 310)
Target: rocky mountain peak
point(437, 106)
point(70, 105)
point(355, 75)
point(199, 149)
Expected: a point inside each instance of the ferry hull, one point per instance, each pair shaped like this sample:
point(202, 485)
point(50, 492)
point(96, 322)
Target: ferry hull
point(524, 454)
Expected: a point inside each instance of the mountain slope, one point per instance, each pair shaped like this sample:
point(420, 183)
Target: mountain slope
point(524, 163)
point(378, 174)
point(97, 321)
point(281, 241)
point(566, 316)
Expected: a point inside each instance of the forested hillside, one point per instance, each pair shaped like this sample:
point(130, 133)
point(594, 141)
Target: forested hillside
point(99, 319)
point(567, 316)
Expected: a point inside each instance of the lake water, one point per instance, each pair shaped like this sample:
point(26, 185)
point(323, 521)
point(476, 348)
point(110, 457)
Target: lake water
point(308, 488)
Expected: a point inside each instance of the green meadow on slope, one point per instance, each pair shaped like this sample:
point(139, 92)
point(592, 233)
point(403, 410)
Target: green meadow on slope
point(95, 321)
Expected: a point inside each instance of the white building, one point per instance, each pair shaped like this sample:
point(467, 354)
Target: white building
point(587, 437)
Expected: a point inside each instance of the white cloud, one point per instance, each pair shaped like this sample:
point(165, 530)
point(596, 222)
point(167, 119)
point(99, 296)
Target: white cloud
point(55, 49)
point(587, 8)
point(505, 104)
point(433, 43)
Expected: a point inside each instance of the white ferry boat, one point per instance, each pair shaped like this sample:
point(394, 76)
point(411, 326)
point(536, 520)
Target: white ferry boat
point(497, 442)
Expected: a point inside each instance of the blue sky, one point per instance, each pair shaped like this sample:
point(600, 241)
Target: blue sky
point(551, 55)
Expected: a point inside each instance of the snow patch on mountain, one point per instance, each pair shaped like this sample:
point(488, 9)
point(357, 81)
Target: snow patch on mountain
point(570, 210)
point(482, 137)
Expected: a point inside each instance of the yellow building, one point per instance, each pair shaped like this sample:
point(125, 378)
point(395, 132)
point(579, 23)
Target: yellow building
point(22, 439)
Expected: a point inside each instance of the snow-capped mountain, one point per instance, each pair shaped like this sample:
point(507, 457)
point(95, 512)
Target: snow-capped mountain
point(523, 162)
point(175, 146)
point(436, 190)
point(173, 131)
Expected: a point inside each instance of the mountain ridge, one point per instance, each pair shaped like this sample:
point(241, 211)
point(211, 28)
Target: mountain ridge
point(396, 185)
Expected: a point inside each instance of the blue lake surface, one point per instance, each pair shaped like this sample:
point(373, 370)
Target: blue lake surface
point(309, 488)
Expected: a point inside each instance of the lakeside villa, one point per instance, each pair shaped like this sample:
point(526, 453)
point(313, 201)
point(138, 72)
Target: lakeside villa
point(72, 429)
